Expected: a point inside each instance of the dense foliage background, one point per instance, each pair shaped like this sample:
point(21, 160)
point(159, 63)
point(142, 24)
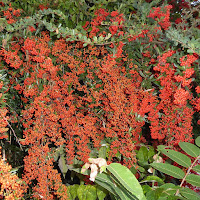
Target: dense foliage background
point(108, 79)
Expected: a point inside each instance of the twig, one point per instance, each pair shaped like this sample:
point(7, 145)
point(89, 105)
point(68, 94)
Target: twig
point(188, 171)
point(13, 132)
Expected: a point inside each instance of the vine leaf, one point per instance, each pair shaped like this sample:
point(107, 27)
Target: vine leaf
point(190, 149)
point(169, 170)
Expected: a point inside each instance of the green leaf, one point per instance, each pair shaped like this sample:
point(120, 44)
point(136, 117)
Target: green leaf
point(197, 141)
point(73, 190)
point(169, 169)
point(142, 154)
point(154, 194)
point(189, 194)
point(62, 165)
point(196, 168)
point(190, 149)
point(102, 152)
point(146, 188)
point(190, 51)
point(193, 179)
point(178, 157)
point(91, 192)
point(152, 179)
point(151, 152)
point(101, 193)
point(127, 179)
point(87, 192)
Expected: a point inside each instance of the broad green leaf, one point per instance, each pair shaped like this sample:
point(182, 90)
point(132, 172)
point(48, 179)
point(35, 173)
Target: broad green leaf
point(102, 152)
point(178, 157)
point(62, 165)
point(196, 168)
point(169, 169)
point(197, 141)
point(101, 193)
point(193, 179)
point(165, 192)
point(189, 194)
point(161, 147)
point(69, 195)
point(117, 191)
point(81, 192)
point(190, 149)
point(91, 192)
point(103, 179)
point(154, 194)
point(146, 188)
point(73, 190)
point(87, 192)
point(142, 154)
point(168, 185)
point(151, 152)
point(152, 179)
point(127, 179)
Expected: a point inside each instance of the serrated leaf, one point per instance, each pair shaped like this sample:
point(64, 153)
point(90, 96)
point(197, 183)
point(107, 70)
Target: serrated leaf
point(169, 169)
point(193, 179)
point(190, 149)
point(127, 179)
point(196, 168)
point(197, 141)
point(178, 157)
point(189, 194)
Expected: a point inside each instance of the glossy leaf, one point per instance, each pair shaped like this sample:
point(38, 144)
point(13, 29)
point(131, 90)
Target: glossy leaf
point(127, 179)
point(190, 149)
point(178, 157)
point(169, 170)
point(193, 179)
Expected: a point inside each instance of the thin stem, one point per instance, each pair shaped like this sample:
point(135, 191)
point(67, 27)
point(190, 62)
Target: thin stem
point(188, 171)
point(13, 132)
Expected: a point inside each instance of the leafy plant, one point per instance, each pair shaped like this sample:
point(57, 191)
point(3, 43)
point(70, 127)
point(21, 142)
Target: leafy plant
point(188, 162)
